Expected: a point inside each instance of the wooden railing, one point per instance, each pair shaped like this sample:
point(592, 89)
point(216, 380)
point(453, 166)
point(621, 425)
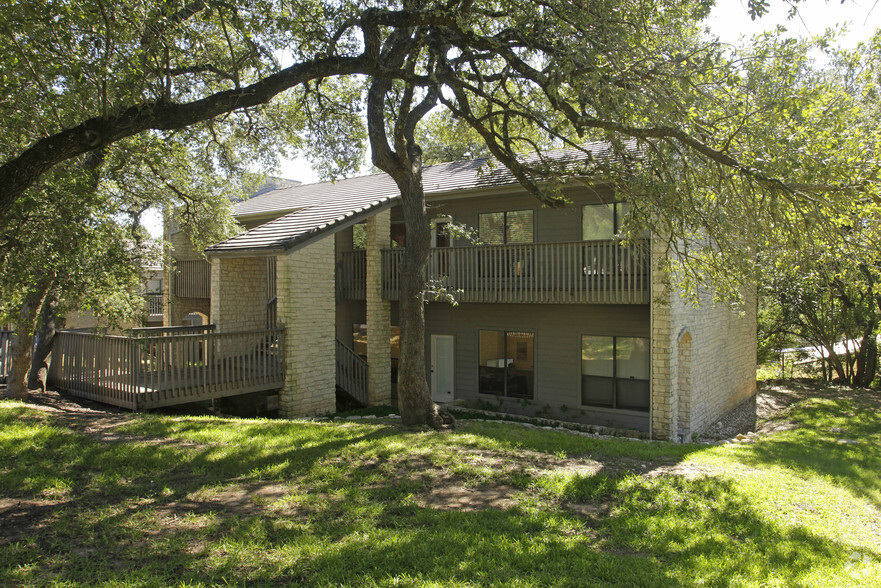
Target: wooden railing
point(192, 279)
point(352, 276)
point(351, 373)
point(149, 371)
point(153, 303)
point(272, 313)
point(5, 354)
point(178, 330)
point(580, 272)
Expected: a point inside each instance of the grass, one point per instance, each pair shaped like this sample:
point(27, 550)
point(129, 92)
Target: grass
point(152, 500)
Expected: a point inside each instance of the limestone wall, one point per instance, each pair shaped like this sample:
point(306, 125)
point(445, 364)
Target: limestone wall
point(239, 293)
point(306, 309)
point(714, 359)
point(703, 357)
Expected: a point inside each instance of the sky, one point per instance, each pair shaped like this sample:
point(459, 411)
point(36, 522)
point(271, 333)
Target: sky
point(729, 21)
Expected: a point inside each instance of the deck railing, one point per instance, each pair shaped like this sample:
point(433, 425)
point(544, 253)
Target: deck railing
point(153, 303)
point(5, 354)
point(352, 276)
point(192, 278)
point(351, 372)
point(148, 371)
point(580, 272)
point(177, 330)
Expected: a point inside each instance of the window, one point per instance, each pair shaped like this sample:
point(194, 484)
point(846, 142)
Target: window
point(507, 363)
point(601, 222)
point(502, 228)
point(615, 372)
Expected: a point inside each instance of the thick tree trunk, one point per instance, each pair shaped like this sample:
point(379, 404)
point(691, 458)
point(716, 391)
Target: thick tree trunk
point(49, 321)
point(414, 394)
point(23, 342)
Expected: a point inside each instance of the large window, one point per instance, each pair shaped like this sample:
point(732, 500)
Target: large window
point(502, 228)
point(601, 222)
point(507, 365)
point(615, 372)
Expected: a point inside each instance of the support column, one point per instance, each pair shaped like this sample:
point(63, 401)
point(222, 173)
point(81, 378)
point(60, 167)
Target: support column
point(379, 328)
point(306, 309)
point(238, 293)
point(664, 395)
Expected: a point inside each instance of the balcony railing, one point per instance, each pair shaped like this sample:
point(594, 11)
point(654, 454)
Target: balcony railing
point(153, 303)
point(192, 279)
point(582, 272)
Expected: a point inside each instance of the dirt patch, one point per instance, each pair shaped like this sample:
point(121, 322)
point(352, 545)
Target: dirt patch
point(461, 498)
point(240, 500)
point(22, 518)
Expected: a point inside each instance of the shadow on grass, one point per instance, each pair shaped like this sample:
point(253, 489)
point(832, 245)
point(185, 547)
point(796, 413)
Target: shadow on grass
point(657, 534)
point(836, 437)
point(115, 522)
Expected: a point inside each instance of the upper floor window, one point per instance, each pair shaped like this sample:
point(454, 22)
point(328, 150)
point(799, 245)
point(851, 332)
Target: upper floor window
point(502, 228)
point(601, 222)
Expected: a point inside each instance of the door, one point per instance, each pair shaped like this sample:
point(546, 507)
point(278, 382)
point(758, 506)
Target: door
point(441, 241)
point(442, 368)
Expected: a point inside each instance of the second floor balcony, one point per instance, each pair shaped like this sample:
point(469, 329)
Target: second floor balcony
point(580, 272)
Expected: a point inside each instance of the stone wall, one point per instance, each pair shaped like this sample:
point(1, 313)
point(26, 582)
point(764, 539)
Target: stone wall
point(306, 309)
point(720, 343)
point(703, 357)
point(378, 313)
point(238, 293)
point(665, 405)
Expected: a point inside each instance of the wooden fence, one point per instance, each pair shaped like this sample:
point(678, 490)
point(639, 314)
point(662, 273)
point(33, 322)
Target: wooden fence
point(149, 370)
point(192, 279)
point(351, 373)
point(5, 354)
point(580, 272)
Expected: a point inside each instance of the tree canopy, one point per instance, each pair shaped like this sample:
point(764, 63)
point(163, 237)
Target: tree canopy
point(723, 152)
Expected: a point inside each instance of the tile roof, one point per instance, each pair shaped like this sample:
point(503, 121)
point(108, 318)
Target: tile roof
point(318, 208)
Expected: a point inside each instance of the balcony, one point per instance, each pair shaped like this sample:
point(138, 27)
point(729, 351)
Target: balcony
point(153, 304)
point(581, 272)
point(192, 279)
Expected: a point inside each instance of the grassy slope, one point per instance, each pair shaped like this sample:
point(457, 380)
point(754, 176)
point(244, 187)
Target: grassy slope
point(197, 501)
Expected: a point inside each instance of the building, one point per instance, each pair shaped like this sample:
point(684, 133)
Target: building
point(554, 317)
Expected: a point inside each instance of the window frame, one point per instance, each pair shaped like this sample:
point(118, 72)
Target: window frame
point(616, 218)
point(505, 377)
point(614, 378)
point(505, 214)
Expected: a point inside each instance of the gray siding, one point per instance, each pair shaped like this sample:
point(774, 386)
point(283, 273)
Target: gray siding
point(558, 331)
point(552, 225)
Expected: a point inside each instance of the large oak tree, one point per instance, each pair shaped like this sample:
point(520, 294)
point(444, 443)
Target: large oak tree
point(730, 150)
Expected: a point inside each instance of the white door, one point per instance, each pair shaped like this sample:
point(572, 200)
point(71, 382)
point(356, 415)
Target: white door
point(442, 369)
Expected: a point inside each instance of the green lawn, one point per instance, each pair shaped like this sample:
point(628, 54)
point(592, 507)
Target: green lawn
point(147, 500)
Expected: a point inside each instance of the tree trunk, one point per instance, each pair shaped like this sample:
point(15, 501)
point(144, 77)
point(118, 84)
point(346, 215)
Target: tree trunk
point(835, 362)
point(414, 394)
point(23, 342)
point(49, 321)
point(867, 358)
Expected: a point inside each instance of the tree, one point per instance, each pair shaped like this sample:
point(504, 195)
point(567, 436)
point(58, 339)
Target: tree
point(719, 152)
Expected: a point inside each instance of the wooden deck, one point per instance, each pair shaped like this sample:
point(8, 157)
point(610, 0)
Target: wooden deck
point(167, 366)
